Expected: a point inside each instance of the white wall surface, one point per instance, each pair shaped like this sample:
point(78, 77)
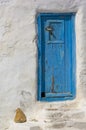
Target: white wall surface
point(18, 67)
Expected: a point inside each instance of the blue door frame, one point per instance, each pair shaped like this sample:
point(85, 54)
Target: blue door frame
point(56, 56)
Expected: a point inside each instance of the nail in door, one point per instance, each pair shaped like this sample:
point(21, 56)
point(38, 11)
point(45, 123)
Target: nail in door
point(56, 66)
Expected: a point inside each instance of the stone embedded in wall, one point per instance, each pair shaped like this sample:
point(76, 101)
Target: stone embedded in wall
point(80, 125)
point(6, 2)
point(35, 128)
point(55, 116)
point(59, 125)
point(79, 115)
point(20, 116)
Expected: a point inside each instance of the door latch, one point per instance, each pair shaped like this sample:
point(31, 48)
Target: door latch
point(49, 29)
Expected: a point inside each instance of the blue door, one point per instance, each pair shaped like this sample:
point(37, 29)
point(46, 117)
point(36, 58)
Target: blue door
point(56, 57)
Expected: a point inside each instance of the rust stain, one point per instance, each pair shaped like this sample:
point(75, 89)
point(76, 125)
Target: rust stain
point(46, 61)
point(52, 89)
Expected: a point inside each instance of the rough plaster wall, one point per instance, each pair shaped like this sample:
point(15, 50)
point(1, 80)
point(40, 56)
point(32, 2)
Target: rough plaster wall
point(18, 67)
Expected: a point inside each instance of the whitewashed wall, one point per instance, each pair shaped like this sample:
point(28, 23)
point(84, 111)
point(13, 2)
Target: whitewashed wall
point(18, 67)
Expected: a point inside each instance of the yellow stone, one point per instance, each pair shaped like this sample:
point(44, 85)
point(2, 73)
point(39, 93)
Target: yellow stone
point(20, 116)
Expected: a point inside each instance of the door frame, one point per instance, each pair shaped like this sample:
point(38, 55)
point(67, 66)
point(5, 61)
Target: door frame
point(39, 18)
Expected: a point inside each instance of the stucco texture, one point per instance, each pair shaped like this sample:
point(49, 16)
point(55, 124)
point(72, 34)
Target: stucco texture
point(18, 67)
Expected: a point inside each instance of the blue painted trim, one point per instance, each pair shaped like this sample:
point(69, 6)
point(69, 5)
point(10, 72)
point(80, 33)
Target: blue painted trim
point(39, 58)
point(54, 99)
point(73, 57)
point(73, 49)
point(56, 14)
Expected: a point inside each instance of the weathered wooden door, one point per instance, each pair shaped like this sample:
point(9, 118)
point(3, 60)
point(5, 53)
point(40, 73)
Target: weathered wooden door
point(56, 79)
